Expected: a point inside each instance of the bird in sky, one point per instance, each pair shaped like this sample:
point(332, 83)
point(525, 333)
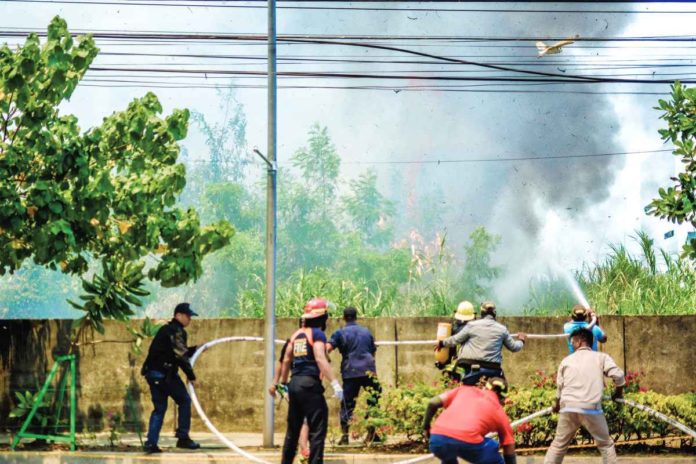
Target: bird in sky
point(555, 48)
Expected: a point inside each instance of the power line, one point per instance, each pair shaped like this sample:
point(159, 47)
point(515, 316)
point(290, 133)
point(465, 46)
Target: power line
point(158, 34)
point(353, 75)
point(223, 4)
point(144, 84)
point(505, 159)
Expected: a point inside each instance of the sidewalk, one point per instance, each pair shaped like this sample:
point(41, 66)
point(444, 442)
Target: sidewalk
point(96, 450)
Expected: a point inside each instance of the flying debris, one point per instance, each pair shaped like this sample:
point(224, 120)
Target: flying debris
point(555, 48)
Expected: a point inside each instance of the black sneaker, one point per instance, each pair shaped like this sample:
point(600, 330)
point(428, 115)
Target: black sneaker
point(344, 440)
point(187, 443)
point(151, 449)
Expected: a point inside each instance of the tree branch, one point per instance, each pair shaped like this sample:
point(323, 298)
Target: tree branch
point(95, 342)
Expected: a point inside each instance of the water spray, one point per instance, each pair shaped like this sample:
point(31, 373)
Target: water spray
point(579, 295)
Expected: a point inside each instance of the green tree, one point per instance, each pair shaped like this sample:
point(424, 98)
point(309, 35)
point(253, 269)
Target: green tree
point(678, 202)
point(307, 234)
point(319, 164)
point(70, 198)
point(369, 211)
point(226, 141)
point(478, 272)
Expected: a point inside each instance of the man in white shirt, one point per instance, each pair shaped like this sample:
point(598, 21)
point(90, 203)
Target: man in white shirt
point(579, 398)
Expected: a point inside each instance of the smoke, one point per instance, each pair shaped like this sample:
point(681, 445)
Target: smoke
point(529, 203)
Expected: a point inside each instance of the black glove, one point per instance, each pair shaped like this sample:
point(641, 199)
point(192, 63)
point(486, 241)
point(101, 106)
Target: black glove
point(618, 393)
point(510, 458)
point(440, 345)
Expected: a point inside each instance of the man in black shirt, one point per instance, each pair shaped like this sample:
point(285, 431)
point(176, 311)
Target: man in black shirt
point(167, 353)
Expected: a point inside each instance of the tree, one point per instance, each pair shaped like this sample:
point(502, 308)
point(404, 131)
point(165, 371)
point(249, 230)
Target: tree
point(69, 199)
point(478, 270)
point(320, 165)
point(678, 202)
point(369, 211)
point(307, 214)
point(226, 141)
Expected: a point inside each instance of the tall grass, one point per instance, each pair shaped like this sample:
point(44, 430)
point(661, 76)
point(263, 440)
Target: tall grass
point(652, 282)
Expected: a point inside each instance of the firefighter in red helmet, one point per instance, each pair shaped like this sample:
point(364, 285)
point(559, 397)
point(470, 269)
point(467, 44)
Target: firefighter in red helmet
point(306, 359)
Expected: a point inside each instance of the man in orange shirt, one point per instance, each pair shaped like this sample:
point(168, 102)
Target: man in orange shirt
point(470, 414)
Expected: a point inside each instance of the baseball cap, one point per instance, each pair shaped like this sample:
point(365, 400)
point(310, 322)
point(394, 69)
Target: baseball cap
point(579, 311)
point(185, 308)
point(487, 306)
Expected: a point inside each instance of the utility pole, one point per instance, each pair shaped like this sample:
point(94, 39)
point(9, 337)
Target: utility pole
point(269, 333)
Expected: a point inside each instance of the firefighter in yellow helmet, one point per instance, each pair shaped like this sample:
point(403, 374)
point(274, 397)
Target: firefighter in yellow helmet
point(462, 315)
point(482, 342)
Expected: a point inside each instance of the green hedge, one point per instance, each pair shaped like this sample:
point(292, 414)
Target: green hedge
point(400, 412)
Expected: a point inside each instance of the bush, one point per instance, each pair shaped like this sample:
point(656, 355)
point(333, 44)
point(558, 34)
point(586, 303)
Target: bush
point(401, 410)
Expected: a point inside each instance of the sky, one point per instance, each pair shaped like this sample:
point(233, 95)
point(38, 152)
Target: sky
point(553, 212)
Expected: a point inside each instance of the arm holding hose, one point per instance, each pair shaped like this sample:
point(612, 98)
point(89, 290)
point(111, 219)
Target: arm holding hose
point(434, 404)
point(319, 349)
point(616, 374)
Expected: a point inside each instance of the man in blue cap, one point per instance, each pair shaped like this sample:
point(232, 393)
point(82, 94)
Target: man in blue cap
point(580, 319)
point(169, 352)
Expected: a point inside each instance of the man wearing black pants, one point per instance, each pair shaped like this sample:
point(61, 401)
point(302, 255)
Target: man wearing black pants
point(306, 358)
point(168, 352)
point(357, 347)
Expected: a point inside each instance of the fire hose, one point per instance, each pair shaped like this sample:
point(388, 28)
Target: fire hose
point(251, 457)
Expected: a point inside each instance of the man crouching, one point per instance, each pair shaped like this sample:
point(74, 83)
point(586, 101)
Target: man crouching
point(470, 414)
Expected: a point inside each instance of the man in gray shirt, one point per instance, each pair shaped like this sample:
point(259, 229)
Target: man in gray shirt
point(579, 398)
point(482, 341)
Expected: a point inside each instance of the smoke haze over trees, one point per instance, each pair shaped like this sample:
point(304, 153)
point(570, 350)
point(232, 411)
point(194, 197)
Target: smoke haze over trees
point(424, 234)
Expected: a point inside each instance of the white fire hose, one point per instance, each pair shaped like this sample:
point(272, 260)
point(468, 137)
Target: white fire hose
point(251, 457)
point(197, 404)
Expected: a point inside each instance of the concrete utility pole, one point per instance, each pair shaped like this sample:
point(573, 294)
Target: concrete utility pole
point(269, 334)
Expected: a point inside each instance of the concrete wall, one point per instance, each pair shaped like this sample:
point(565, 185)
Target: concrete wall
point(231, 375)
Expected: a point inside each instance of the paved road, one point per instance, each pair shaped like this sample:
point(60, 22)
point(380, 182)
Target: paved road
point(81, 457)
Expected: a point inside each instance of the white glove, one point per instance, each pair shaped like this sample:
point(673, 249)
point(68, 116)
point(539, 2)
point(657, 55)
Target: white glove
point(338, 391)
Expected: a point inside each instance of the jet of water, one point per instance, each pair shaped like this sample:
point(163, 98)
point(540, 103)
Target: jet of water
point(575, 288)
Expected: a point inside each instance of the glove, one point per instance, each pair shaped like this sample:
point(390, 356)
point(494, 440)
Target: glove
point(617, 394)
point(338, 391)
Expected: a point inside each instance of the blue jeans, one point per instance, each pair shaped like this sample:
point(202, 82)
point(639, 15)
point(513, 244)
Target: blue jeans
point(473, 376)
point(449, 449)
point(161, 388)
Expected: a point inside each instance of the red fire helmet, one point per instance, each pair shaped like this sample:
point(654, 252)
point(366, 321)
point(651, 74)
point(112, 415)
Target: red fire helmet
point(316, 307)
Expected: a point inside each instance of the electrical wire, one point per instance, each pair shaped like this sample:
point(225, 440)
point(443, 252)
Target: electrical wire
point(508, 159)
point(354, 75)
point(502, 159)
point(394, 89)
point(223, 4)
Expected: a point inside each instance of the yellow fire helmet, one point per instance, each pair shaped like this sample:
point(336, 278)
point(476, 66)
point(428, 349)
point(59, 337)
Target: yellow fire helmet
point(465, 312)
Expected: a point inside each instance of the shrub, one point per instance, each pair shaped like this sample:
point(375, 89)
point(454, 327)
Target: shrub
point(401, 410)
